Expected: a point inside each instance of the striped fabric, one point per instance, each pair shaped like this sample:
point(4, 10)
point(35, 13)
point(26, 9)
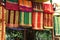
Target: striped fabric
point(25, 5)
point(48, 20)
point(37, 16)
point(37, 20)
point(12, 4)
point(57, 25)
point(2, 23)
point(12, 18)
point(25, 18)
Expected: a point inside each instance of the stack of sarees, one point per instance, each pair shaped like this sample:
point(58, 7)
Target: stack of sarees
point(37, 16)
point(2, 23)
point(12, 14)
point(48, 15)
point(25, 18)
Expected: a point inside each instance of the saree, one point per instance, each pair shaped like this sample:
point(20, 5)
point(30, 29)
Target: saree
point(25, 5)
point(12, 4)
point(25, 19)
point(12, 18)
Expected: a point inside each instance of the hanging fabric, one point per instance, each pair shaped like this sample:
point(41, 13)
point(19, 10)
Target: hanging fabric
point(25, 5)
point(12, 4)
point(12, 18)
point(25, 19)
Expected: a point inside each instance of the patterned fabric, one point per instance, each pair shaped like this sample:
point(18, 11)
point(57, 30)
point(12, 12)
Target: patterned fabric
point(25, 18)
point(57, 25)
point(12, 34)
point(12, 18)
point(12, 4)
point(25, 5)
point(48, 20)
point(37, 20)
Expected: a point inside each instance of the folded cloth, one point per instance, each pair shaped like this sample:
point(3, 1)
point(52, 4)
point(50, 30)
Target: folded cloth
point(37, 20)
point(12, 18)
point(26, 19)
point(48, 20)
point(12, 4)
point(25, 5)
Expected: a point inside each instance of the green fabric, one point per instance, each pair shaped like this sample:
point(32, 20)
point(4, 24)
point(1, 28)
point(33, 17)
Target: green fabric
point(30, 13)
point(43, 35)
point(13, 0)
point(26, 17)
point(57, 24)
point(20, 17)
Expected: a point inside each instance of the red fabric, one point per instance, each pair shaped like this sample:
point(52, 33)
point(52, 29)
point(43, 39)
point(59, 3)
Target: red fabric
point(48, 8)
point(48, 20)
point(37, 20)
point(11, 6)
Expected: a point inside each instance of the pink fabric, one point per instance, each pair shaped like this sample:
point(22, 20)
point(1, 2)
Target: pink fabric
point(11, 6)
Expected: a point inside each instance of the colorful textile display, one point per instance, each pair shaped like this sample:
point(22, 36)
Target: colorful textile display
point(57, 25)
point(25, 5)
point(37, 16)
point(2, 23)
point(25, 18)
point(12, 4)
point(12, 18)
point(37, 20)
point(48, 20)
